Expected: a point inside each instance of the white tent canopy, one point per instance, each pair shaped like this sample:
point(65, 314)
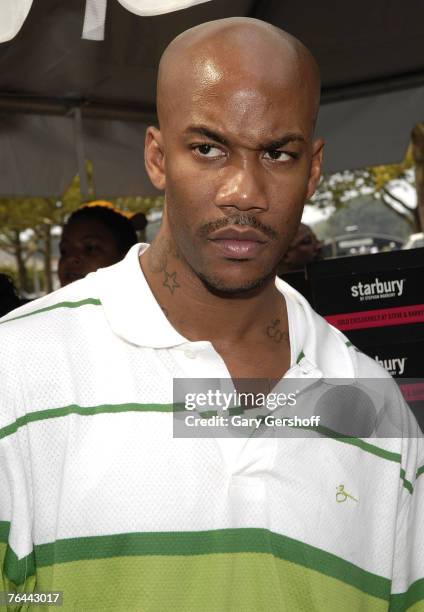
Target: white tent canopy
point(64, 99)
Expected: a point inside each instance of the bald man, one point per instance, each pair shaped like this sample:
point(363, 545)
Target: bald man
point(133, 474)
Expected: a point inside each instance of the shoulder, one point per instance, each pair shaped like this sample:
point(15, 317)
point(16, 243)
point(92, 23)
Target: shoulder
point(36, 312)
point(324, 345)
point(37, 337)
point(38, 328)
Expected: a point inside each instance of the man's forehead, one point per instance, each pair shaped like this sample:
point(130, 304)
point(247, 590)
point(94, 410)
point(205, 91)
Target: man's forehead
point(255, 110)
point(239, 78)
point(256, 64)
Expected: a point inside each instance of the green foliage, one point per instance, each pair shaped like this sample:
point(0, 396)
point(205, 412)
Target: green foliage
point(72, 198)
point(375, 182)
point(337, 189)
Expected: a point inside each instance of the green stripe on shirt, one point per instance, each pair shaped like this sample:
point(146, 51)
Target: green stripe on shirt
point(365, 446)
point(406, 483)
point(4, 531)
point(53, 413)
point(18, 570)
point(169, 408)
point(223, 541)
point(404, 601)
point(247, 582)
point(92, 301)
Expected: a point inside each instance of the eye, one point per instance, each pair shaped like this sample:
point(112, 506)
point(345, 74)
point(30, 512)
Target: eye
point(279, 156)
point(208, 150)
point(91, 247)
point(306, 241)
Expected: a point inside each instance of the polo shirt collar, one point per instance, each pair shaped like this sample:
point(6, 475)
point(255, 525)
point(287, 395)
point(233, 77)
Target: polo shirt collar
point(130, 306)
point(324, 349)
point(135, 316)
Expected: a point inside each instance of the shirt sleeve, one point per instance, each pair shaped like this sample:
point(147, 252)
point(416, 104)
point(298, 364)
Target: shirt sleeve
point(407, 591)
point(17, 559)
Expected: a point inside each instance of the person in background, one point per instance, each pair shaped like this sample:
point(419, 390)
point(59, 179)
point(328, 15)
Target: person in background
point(304, 248)
point(95, 236)
point(9, 298)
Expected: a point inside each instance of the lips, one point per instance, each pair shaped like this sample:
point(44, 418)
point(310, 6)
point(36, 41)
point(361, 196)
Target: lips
point(237, 234)
point(238, 244)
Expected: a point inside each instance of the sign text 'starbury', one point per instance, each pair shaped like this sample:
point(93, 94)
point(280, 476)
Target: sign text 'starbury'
point(378, 289)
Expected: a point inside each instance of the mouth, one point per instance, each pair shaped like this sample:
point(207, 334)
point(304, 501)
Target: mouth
point(238, 244)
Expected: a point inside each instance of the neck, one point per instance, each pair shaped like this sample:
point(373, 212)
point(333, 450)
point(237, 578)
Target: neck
point(200, 314)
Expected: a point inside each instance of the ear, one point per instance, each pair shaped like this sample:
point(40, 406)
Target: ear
point(316, 164)
point(154, 157)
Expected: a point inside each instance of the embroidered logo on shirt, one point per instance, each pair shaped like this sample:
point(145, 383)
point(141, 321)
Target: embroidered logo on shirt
point(342, 495)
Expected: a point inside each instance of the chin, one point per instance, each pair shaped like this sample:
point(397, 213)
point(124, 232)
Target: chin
point(232, 287)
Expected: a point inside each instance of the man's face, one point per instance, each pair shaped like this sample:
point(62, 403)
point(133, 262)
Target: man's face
point(237, 167)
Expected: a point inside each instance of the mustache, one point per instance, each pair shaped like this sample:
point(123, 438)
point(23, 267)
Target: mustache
point(244, 220)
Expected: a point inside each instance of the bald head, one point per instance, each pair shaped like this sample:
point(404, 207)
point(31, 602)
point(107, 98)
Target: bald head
point(232, 49)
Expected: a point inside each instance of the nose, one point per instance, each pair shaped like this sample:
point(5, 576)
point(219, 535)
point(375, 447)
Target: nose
point(73, 258)
point(242, 189)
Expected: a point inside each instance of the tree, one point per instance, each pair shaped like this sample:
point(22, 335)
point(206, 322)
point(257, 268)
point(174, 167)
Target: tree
point(26, 223)
point(16, 216)
point(417, 140)
point(366, 214)
point(26, 229)
point(381, 182)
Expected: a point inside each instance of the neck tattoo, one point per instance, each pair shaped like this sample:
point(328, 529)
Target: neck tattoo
point(275, 332)
point(159, 258)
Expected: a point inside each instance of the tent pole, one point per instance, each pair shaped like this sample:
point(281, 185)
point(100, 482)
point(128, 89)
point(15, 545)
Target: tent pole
point(80, 152)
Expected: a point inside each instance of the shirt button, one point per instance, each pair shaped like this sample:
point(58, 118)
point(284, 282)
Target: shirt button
point(190, 354)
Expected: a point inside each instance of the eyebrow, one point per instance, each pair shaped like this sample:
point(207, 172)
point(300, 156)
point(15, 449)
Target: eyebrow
point(281, 142)
point(265, 146)
point(204, 131)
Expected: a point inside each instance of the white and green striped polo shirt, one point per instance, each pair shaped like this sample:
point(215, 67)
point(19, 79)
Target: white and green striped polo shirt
point(100, 501)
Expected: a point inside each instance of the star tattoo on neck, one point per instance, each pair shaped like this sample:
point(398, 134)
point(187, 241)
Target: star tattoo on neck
point(170, 281)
